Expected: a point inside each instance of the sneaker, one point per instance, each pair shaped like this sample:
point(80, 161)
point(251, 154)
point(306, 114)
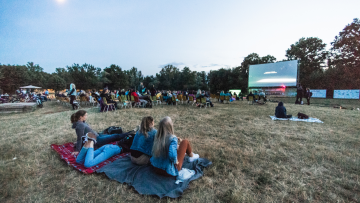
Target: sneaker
point(137, 128)
point(194, 157)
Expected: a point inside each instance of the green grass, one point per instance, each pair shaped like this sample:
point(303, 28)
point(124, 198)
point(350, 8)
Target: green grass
point(254, 158)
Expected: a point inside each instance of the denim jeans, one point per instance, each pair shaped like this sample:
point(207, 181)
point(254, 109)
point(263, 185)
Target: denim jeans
point(104, 139)
point(89, 157)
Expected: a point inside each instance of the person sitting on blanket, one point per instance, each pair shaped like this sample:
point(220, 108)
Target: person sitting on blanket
point(82, 128)
point(90, 158)
point(280, 111)
point(143, 142)
point(167, 157)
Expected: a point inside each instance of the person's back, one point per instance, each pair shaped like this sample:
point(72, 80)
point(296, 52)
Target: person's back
point(280, 111)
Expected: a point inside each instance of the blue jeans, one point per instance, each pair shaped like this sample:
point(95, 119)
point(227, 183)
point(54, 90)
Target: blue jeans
point(104, 139)
point(89, 157)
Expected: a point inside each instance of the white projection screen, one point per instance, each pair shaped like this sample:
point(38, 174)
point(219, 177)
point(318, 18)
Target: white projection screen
point(273, 74)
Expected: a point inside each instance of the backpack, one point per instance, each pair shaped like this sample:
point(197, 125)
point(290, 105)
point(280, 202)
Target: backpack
point(302, 116)
point(126, 143)
point(113, 130)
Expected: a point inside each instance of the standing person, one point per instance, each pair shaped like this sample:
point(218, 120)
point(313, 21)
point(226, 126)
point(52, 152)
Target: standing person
point(143, 142)
point(72, 95)
point(280, 111)
point(308, 95)
point(299, 94)
point(78, 121)
point(141, 88)
point(167, 157)
point(153, 91)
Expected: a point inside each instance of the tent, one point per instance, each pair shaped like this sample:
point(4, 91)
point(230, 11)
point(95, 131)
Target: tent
point(30, 87)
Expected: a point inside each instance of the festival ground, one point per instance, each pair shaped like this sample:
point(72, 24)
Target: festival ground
point(254, 158)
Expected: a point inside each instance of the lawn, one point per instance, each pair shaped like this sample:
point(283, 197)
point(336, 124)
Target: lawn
point(254, 158)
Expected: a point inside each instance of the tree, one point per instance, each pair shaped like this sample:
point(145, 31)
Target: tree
point(135, 77)
point(117, 78)
point(187, 79)
point(311, 53)
point(169, 77)
point(13, 77)
point(56, 83)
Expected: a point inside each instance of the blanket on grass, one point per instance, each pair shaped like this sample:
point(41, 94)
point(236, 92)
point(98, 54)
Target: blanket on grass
point(147, 182)
point(65, 150)
point(311, 120)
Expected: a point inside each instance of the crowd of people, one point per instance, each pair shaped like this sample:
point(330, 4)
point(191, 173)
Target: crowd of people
point(159, 147)
point(25, 95)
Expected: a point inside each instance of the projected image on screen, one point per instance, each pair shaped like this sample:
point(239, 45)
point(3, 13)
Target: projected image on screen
point(273, 74)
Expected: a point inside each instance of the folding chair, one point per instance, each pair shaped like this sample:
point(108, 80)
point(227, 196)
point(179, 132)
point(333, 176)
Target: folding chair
point(108, 106)
point(173, 99)
point(198, 101)
point(251, 100)
point(222, 98)
point(203, 101)
point(136, 103)
point(179, 97)
point(227, 99)
point(256, 97)
point(191, 99)
point(154, 100)
point(124, 101)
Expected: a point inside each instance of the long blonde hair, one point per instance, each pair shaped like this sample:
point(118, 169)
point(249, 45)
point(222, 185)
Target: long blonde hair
point(145, 125)
point(162, 137)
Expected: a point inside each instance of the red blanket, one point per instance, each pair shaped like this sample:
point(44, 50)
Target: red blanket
point(65, 152)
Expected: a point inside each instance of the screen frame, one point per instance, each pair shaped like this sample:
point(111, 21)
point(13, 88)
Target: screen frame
point(297, 76)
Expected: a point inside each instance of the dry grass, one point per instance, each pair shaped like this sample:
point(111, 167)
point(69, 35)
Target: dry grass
point(254, 158)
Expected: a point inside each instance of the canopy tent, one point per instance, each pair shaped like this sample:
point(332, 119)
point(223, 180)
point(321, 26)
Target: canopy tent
point(30, 87)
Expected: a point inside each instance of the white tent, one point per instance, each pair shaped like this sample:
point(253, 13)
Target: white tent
point(30, 87)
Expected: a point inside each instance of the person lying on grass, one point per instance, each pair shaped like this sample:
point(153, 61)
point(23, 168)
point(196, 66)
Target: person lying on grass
point(143, 142)
point(90, 157)
point(167, 157)
point(82, 128)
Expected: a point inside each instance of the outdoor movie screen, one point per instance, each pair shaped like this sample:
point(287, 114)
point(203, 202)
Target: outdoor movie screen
point(273, 74)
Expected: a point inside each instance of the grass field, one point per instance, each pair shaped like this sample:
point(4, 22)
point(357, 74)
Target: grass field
point(254, 158)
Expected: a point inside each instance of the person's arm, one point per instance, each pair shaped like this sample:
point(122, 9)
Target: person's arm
point(173, 150)
point(284, 110)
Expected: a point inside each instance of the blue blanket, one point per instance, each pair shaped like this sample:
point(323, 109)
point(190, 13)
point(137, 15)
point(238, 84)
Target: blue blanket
point(147, 182)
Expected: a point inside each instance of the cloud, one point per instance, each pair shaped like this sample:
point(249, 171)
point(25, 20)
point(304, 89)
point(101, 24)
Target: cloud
point(270, 72)
point(173, 63)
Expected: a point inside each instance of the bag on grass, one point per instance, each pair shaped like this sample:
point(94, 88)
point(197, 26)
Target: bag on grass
point(113, 130)
point(126, 142)
point(302, 116)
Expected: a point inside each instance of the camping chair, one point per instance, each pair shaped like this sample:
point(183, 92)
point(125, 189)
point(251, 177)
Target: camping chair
point(179, 97)
point(191, 100)
point(251, 100)
point(222, 98)
point(203, 101)
point(256, 97)
point(124, 101)
point(136, 103)
point(154, 100)
point(173, 99)
point(261, 100)
point(227, 99)
point(107, 106)
point(183, 99)
point(198, 101)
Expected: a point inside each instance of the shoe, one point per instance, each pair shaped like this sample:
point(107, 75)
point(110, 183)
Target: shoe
point(137, 128)
point(194, 157)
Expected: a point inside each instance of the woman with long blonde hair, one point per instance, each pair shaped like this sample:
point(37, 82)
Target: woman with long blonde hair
point(167, 157)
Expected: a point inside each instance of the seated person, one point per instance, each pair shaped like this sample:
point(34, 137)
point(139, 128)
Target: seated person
point(206, 95)
point(250, 95)
point(82, 128)
point(262, 96)
point(108, 98)
point(280, 111)
point(222, 94)
point(167, 157)
point(143, 141)
point(230, 96)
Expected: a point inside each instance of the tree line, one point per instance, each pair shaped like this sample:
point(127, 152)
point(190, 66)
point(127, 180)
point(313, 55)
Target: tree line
point(337, 68)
